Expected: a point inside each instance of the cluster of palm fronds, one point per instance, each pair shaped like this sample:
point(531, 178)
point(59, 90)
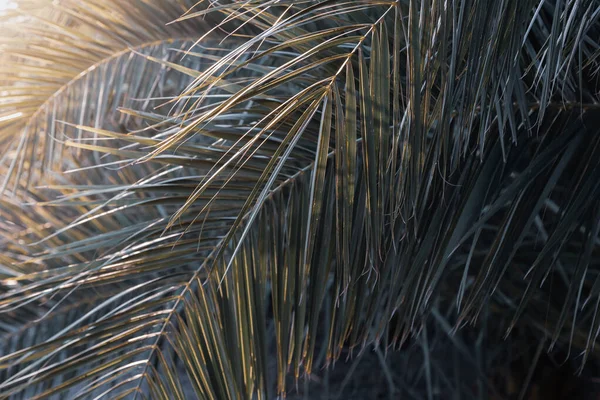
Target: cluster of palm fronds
point(219, 199)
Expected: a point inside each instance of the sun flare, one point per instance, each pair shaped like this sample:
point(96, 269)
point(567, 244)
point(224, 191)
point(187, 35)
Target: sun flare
point(7, 5)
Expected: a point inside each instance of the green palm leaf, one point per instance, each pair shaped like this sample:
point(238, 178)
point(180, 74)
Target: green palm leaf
point(207, 207)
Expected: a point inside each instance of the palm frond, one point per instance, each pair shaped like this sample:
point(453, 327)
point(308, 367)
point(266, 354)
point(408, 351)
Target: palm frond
point(77, 63)
point(321, 178)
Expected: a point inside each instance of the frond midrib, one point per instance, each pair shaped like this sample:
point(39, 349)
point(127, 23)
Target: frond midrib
point(98, 64)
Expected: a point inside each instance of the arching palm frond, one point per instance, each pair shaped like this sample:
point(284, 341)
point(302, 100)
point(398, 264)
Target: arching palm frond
point(261, 183)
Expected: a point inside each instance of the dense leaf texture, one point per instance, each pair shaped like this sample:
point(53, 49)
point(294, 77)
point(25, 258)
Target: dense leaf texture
point(189, 207)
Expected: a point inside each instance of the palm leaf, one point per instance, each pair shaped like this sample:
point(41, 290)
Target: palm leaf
point(328, 179)
point(80, 66)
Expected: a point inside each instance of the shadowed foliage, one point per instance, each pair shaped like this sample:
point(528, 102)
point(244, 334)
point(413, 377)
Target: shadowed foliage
point(220, 199)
